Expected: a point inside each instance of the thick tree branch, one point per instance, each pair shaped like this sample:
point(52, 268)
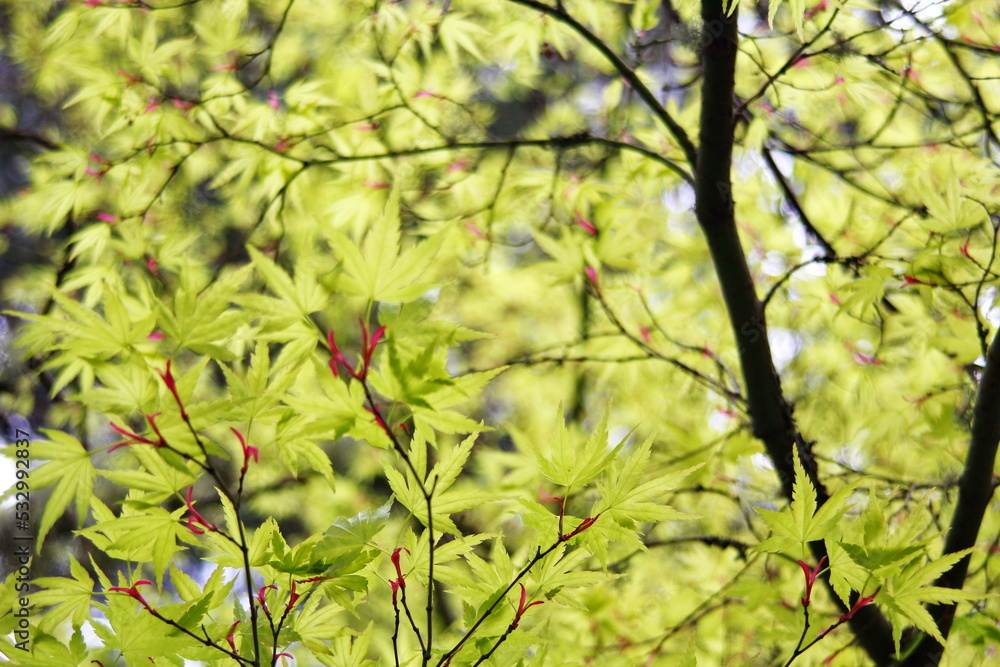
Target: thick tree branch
point(770, 414)
point(975, 489)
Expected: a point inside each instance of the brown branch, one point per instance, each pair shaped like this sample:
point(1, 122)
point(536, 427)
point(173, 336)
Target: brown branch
point(630, 76)
point(28, 136)
point(793, 201)
point(975, 489)
point(770, 413)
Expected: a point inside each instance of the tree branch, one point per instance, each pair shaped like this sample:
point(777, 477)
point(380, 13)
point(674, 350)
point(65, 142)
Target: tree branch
point(793, 201)
point(551, 142)
point(975, 489)
point(626, 72)
point(770, 414)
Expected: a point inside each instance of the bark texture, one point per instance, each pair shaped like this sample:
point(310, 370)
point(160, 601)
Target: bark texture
point(770, 413)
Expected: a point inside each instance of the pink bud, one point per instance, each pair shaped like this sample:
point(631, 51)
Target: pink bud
point(395, 562)
point(810, 574)
point(248, 451)
point(522, 607)
point(338, 357)
point(168, 379)
point(858, 604)
point(107, 217)
point(132, 78)
point(910, 280)
point(584, 525)
point(133, 592)
point(195, 518)
point(231, 637)
point(293, 597)
point(586, 225)
point(816, 10)
point(272, 99)
point(133, 438)
point(368, 348)
point(546, 497)
point(394, 584)
point(261, 593)
point(377, 418)
point(867, 359)
point(592, 276)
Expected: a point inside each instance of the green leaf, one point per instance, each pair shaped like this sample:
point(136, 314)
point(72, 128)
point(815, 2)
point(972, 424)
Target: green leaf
point(70, 597)
point(867, 290)
point(379, 271)
point(304, 293)
point(343, 546)
point(316, 625)
point(905, 595)
point(845, 574)
point(457, 499)
point(625, 500)
point(800, 523)
point(565, 461)
point(72, 472)
point(447, 470)
point(149, 536)
point(350, 650)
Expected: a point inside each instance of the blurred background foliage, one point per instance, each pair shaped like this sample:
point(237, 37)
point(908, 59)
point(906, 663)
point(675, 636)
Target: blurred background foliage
point(146, 147)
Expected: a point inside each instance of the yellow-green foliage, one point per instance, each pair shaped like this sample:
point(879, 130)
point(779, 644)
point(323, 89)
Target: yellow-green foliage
point(556, 404)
